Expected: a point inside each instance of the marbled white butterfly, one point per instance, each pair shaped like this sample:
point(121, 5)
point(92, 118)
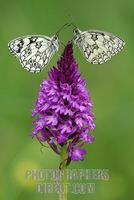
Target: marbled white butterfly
point(35, 51)
point(97, 46)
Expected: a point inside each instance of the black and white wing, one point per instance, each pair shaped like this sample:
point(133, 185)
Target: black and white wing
point(97, 46)
point(34, 52)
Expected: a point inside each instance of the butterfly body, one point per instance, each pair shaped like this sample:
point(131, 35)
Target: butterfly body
point(35, 51)
point(97, 46)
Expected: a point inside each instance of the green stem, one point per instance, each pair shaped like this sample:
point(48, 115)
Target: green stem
point(63, 194)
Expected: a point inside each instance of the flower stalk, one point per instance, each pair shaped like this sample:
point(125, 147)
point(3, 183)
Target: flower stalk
point(63, 168)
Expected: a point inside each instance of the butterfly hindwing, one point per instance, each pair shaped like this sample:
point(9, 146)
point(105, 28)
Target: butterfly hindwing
point(34, 52)
point(97, 46)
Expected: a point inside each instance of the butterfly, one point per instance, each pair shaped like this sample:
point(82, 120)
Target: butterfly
point(35, 51)
point(97, 46)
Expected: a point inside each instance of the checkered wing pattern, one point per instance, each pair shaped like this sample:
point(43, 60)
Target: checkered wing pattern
point(34, 52)
point(97, 46)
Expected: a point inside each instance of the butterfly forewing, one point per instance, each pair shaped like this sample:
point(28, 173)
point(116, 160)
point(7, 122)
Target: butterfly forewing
point(97, 46)
point(34, 52)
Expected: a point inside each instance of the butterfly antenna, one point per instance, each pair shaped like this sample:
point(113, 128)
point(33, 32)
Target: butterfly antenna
point(73, 25)
point(65, 25)
point(72, 19)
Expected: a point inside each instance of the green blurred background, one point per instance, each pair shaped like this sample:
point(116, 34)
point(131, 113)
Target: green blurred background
point(111, 87)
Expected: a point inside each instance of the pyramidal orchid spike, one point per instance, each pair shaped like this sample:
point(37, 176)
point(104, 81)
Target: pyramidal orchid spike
point(64, 109)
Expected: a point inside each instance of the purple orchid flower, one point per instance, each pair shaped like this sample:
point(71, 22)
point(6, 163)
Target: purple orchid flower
point(64, 109)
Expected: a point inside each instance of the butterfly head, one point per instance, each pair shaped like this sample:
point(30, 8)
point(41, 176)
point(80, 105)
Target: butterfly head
point(77, 34)
point(55, 41)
